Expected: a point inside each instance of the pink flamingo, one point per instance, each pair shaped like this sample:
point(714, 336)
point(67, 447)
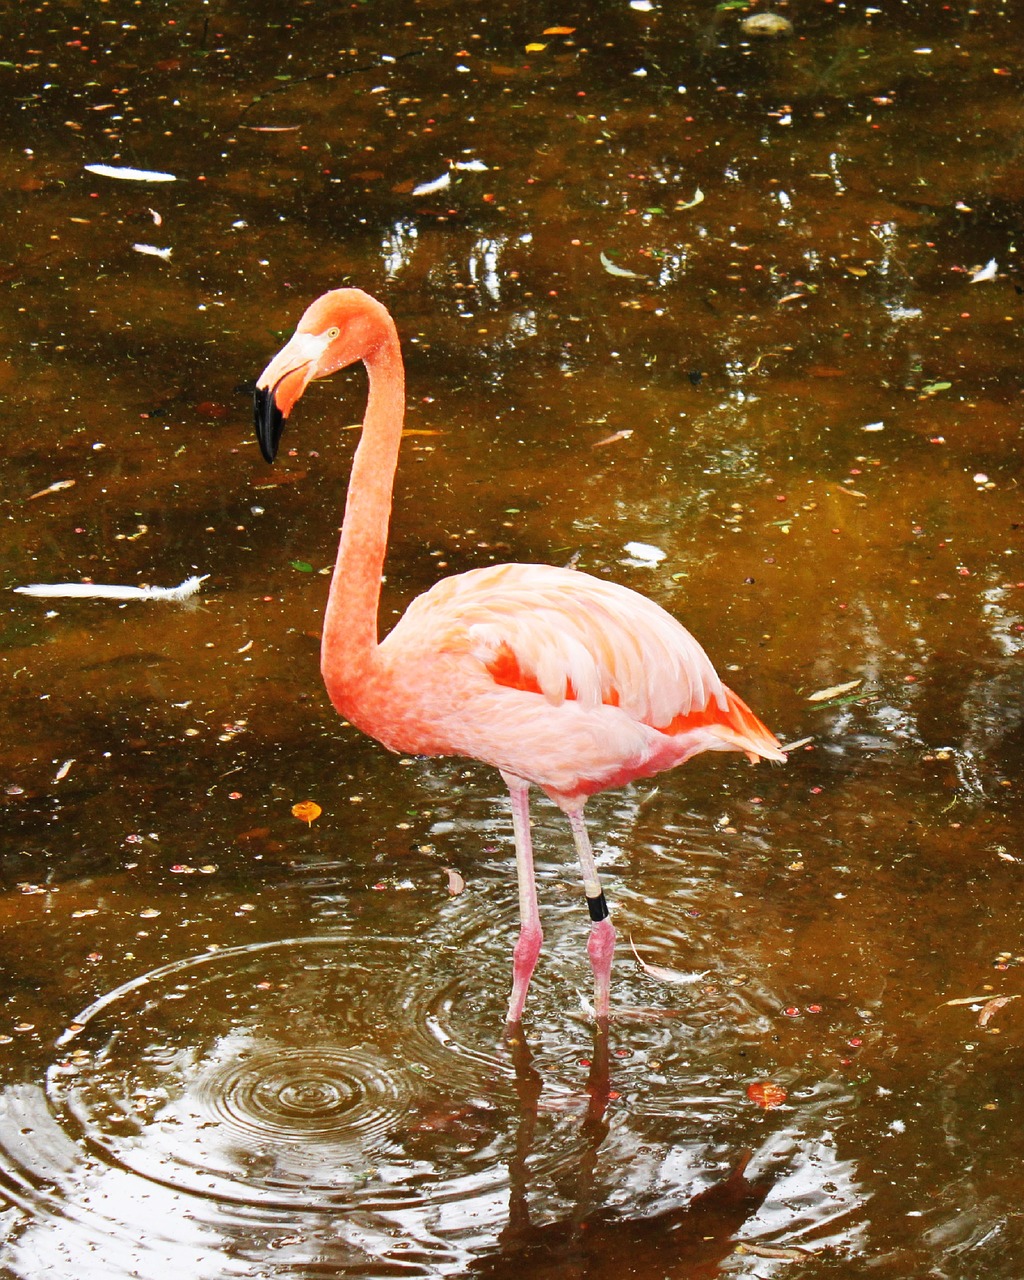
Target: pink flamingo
point(556, 678)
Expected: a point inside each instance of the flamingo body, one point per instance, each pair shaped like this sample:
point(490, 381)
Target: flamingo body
point(567, 681)
point(558, 679)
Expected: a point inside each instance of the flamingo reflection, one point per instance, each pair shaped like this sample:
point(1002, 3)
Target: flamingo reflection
point(689, 1240)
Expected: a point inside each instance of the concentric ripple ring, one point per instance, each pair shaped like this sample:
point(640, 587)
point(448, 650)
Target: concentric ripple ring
point(270, 1072)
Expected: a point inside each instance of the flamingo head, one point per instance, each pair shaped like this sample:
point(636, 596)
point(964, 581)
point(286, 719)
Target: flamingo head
point(338, 329)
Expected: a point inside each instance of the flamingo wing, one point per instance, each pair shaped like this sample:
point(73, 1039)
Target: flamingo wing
point(569, 636)
point(572, 636)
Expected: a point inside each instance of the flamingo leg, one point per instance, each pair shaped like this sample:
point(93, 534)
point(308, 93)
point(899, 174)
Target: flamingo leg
point(527, 948)
point(601, 943)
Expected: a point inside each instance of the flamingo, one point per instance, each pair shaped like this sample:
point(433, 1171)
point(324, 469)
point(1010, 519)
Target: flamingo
point(558, 679)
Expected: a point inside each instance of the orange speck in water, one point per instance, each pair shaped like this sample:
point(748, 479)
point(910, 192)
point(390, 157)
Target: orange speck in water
point(306, 811)
point(766, 1094)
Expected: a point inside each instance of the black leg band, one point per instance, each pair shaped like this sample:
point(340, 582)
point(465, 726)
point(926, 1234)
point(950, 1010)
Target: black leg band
point(598, 908)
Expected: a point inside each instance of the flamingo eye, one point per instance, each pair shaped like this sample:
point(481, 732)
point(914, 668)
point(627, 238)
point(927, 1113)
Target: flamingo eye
point(333, 332)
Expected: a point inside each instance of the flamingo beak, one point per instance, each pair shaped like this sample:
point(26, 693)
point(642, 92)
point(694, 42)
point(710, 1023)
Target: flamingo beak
point(269, 422)
point(280, 384)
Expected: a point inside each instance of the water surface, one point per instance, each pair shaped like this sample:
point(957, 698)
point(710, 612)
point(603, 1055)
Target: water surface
point(235, 1044)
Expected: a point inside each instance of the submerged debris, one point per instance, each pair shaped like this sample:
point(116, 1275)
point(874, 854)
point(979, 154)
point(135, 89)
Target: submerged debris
point(834, 691)
point(990, 1005)
point(767, 1094)
point(783, 1253)
point(766, 24)
point(456, 882)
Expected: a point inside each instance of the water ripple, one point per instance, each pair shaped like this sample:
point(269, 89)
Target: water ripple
point(347, 1104)
point(304, 1082)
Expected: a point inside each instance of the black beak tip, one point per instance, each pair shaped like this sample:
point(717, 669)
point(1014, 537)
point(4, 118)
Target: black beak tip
point(269, 422)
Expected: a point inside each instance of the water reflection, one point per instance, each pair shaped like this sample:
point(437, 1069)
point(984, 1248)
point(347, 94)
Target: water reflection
point(483, 265)
point(595, 1241)
point(331, 1126)
point(399, 245)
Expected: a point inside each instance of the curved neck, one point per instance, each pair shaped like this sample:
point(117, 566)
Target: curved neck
point(350, 622)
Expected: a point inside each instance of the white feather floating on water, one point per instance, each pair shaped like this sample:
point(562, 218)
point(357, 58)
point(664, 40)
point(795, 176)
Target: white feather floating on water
point(644, 553)
point(153, 251)
point(128, 174)
point(614, 269)
point(665, 975)
point(438, 184)
point(95, 591)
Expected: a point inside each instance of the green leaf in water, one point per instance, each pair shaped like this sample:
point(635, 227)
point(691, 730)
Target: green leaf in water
point(933, 387)
point(302, 566)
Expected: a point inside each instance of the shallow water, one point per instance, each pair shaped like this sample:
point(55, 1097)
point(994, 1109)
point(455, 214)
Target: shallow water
point(238, 1045)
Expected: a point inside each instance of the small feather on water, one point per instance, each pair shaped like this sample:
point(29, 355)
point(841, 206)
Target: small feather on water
point(129, 175)
point(614, 270)
point(56, 487)
point(987, 272)
point(644, 553)
point(98, 591)
point(665, 975)
point(152, 251)
point(614, 438)
point(993, 1006)
point(438, 184)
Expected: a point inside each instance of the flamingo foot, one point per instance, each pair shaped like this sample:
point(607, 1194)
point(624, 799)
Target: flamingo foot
point(601, 948)
point(524, 961)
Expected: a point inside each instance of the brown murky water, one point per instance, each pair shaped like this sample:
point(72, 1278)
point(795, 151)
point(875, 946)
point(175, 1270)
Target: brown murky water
point(233, 1044)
